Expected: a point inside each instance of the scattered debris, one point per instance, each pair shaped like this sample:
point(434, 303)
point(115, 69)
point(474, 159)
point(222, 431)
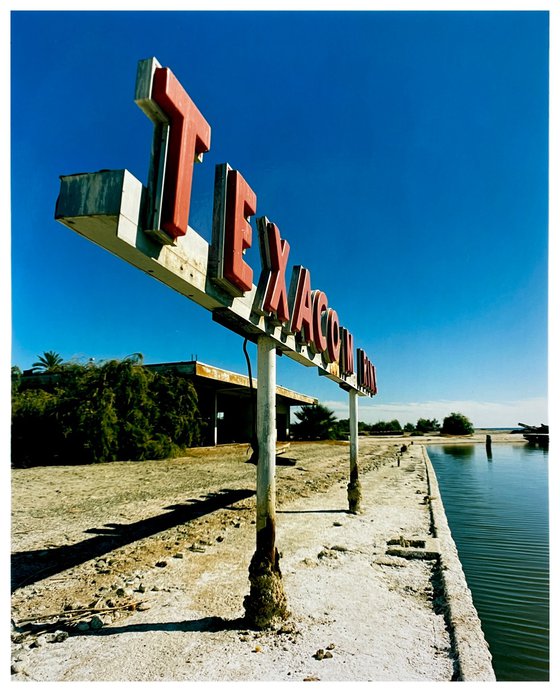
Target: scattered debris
point(197, 548)
point(320, 654)
point(339, 548)
point(77, 617)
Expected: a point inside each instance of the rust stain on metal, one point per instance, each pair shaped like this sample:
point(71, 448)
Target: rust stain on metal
point(212, 373)
point(228, 377)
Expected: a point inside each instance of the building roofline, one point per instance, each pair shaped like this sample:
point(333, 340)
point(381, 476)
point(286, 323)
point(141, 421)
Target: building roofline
point(211, 372)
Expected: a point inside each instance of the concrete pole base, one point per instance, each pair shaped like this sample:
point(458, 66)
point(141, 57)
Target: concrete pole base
point(354, 497)
point(266, 605)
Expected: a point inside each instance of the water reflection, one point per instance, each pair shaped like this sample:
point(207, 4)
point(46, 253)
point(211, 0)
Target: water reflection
point(459, 451)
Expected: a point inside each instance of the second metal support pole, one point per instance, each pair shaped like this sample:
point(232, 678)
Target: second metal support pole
point(354, 487)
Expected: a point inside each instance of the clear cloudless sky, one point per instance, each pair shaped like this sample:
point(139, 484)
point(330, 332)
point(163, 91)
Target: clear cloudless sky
point(403, 155)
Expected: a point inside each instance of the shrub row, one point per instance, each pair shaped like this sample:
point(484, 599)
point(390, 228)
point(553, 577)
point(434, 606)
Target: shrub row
point(94, 413)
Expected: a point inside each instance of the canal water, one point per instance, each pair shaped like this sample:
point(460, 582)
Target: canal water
point(497, 510)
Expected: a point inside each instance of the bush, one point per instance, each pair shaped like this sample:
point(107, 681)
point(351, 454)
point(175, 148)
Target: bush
point(176, 415)
point(386, 427)
point(340, 429)
point(426, 425)
point(35, 431)
point(457, 424)
point(117, 410)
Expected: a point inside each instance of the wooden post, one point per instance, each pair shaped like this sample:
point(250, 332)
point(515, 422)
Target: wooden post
point(354, 488)
point(489, 446)
point(266, 602)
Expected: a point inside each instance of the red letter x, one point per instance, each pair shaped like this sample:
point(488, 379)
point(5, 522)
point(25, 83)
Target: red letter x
point(275, 253)
point(189, 138)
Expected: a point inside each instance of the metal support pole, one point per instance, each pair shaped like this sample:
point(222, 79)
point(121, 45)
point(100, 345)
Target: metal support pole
point(354, 488)
point(266, 602)
point(215, 420)
point(266, 435)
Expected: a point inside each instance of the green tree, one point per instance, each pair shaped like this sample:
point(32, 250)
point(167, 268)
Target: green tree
point(49, 362)
point(340, 429)
point(379, 426)
point(93, 429)
point(457, 424)
point(176, 415)
point(316, 422)
point(383, 426)
point(409, 427)
point(132, 404)
point(427, 425)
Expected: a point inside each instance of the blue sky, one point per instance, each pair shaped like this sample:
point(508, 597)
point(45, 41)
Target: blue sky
point(403, 155)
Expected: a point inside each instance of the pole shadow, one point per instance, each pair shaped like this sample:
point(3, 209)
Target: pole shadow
point(28, 567)
point(312, 511)
point(208, 624)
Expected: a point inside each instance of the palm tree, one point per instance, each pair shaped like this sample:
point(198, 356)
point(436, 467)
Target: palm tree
point(315, 422)
point(48, 362)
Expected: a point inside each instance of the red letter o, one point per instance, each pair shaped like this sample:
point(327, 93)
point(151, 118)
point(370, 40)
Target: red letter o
point(333, 336)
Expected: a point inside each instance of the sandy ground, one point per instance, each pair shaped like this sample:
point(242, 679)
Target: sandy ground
point(137, 571)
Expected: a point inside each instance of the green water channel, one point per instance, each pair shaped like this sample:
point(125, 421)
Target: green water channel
point(497, 509)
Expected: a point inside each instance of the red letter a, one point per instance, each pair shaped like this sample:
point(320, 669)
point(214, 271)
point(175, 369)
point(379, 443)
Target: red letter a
point(301, 304)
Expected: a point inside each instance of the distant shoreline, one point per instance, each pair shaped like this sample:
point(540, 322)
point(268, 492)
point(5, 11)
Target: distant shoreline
point(499, 435)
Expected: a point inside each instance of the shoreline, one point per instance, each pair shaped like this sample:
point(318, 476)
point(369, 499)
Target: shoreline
point(473, 654)
point(478, 437)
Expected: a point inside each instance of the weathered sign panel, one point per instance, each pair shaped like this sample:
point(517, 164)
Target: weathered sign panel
point(148, 227)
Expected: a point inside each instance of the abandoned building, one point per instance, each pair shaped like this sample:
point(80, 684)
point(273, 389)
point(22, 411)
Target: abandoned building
point(224, 400)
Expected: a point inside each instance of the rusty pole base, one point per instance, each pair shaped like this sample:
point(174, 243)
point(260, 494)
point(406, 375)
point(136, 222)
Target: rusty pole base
point(266, 605)
point(354, 497)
